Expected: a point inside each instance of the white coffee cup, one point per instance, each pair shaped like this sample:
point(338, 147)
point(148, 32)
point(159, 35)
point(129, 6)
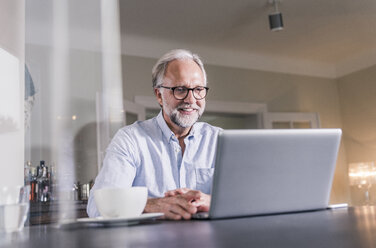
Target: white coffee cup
point(121, 202)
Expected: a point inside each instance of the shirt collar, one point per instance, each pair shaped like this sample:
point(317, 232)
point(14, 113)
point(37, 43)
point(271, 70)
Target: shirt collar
point(166, 131)
point(169, 135)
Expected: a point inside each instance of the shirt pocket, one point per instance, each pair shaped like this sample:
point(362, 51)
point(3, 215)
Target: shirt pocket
point(204, 178)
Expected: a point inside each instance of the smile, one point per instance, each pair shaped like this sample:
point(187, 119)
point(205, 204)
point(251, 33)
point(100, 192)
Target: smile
point(187, 110)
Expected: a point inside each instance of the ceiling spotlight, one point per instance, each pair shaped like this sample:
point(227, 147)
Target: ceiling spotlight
point(275, 19)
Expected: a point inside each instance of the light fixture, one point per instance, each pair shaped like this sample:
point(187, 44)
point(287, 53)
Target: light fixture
point(275, 19)
point(363, 175)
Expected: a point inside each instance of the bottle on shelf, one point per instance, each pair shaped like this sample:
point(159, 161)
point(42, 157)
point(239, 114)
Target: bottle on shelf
point(39, 169)
point(33, 185)
point(43, 183)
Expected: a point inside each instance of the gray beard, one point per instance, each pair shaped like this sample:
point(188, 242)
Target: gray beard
point(182, 122)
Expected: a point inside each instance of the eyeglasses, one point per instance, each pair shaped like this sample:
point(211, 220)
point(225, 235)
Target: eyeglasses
point(181, 92)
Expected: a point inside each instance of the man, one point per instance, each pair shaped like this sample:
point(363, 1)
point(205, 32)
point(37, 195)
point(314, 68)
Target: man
point(171, 154)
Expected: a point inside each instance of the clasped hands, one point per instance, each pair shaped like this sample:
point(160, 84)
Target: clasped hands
point(179, 203)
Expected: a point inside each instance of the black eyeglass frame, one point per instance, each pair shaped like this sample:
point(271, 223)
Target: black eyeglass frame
point(188, 89)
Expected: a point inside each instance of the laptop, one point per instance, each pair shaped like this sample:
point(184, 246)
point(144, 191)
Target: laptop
point(260, 172)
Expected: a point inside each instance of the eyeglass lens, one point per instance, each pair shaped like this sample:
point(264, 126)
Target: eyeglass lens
point(182, 92)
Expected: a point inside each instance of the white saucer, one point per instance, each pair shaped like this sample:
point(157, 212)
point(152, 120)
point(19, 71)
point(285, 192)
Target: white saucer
point(120, 220)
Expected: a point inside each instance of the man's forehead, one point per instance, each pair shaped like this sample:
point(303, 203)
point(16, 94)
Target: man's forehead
point(184, 82)
point(182, 65)
point(183, 69)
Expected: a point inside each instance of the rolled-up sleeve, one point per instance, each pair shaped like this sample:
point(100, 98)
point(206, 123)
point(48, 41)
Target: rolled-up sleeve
point(118, 170)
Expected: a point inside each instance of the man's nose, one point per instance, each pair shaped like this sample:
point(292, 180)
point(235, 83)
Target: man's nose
point(190, 98)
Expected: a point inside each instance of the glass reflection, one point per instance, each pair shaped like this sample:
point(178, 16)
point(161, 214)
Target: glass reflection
point(73, 56)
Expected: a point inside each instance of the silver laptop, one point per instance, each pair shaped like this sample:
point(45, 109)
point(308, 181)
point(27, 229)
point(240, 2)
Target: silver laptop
point(261, 172)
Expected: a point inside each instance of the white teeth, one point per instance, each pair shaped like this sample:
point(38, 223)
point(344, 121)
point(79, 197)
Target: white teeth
point(188, 110)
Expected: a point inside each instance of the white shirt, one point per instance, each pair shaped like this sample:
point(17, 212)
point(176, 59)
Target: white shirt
point(147, 153)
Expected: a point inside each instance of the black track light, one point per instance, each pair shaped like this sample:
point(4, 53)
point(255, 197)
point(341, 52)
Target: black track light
point(275, 19)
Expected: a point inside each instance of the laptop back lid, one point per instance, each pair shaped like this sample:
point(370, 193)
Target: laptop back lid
point(273, 171)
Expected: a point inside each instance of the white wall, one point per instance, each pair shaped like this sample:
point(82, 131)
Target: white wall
point(358, 105)
point(12, 19)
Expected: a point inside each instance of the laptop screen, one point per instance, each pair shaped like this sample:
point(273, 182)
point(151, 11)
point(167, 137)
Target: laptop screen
point(273, 171)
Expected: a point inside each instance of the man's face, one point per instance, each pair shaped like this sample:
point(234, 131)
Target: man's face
point(181, 113)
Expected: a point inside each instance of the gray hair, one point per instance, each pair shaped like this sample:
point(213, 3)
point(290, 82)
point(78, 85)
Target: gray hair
point(159, 68)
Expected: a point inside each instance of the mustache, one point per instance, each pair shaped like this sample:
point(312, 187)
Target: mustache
point(194, 106)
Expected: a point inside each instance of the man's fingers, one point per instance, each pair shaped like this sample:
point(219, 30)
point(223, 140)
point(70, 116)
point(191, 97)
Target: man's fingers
point(183, 190)
point(199, 200)
point(176, 192)
point(192, 195)
point(170, 193)
point(175, 207)
point(178, 210)
point(171, 216)
point(188, 206)
point(203, 208)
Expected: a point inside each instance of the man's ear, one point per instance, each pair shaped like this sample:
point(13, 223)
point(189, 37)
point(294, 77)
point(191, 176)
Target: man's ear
point(158, 94)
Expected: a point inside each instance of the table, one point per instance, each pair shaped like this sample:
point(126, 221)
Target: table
point(352, 227)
